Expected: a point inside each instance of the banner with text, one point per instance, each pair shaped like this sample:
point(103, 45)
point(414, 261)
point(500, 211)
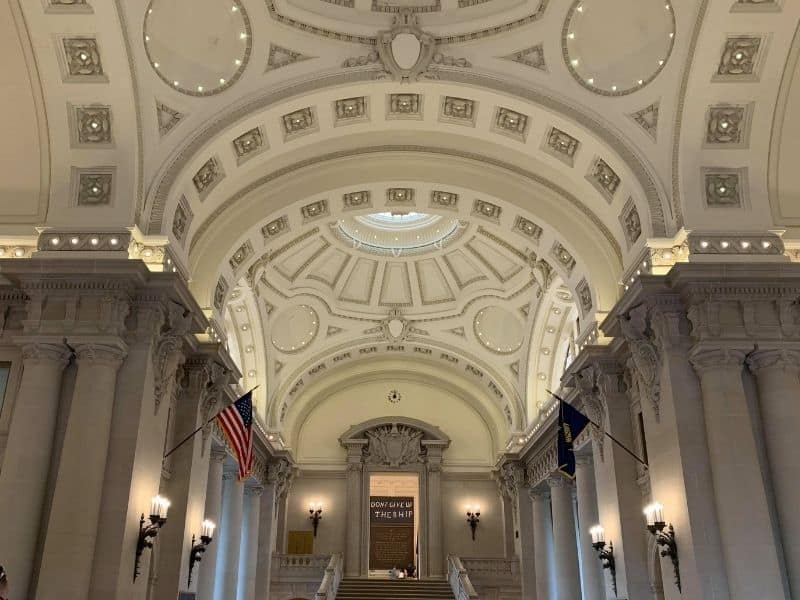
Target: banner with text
point(391, 541)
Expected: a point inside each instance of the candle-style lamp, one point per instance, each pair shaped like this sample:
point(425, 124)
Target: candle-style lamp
point(198, 549)
point(473, 518)
point(606, 555)
point(148, 533)
point(665, 536)
point(315, 515)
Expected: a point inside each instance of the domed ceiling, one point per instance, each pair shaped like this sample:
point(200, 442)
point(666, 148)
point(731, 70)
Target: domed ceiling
point(465, 181)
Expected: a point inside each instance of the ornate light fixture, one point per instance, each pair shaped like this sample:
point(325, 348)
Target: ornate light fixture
point(606, 556)
point(656, 525)
point(473, 518)
point(147, 533)
point(315, 515)
point(198, 549)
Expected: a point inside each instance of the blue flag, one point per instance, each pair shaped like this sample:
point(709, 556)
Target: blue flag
point(571, 422)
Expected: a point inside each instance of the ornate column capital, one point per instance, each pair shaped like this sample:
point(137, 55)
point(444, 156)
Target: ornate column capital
point(109, 354)
point(705, 360)
point(557, 481)
point(253, 490)
point(783, 359)
point(539, 494)
point(44, 352)
point(218, 454)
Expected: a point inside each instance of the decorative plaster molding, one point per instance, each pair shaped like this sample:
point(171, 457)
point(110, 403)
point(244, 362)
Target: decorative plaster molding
point(563, 257)
point(725, 188)
point(561, 145)
point(531, 57)
point(631, 223)
point(275, 227)
point(604, 178)
point(527, 228)
point(740, 59)
point(208, 176)
point(282, 57)
point(647, 119)
point(645, 358)
point(249, 144)
point(350, 110)
point(82, 60)
point(458, 110)
point(747, 244)
point(511, 123)
point(404, 106)
point(92, 125)
point(93, 186)
point(167, 118)
point(727, 125)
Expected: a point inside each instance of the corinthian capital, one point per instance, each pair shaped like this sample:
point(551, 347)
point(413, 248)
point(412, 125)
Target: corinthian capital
point(777, 358)
point(39, 353)
point(98, 353)
point(706, 360)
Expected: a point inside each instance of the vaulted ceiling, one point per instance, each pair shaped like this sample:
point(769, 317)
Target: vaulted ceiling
point(550, 147)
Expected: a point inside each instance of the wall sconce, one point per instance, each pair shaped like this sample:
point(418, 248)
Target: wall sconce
point(656, 525)
point(147, 533)
point(606, 556)
point(198, 549)
point(315, 512)
point(473, 518)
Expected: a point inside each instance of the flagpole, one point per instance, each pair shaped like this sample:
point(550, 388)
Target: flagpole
point(191, 435)
point(615, 440)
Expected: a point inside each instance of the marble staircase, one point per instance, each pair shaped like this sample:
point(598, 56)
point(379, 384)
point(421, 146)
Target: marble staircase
point(393, 589)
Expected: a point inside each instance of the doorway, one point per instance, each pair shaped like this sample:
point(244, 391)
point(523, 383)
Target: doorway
point(393, 522)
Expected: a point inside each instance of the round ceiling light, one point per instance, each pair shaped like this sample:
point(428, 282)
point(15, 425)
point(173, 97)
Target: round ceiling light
point(205, 57)
point(615, 47)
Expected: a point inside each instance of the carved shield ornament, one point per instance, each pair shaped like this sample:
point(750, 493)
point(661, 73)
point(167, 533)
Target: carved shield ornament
point(406, 51)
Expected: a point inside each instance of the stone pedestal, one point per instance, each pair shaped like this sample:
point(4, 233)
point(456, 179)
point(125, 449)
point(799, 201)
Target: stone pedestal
point(742, 502)
point(248, 549)
point(213, 512)
point(23, 478)
point(565, 552)
point(591, 572)
point(69, 545)
point(226, 578)
point(543, 544)
point(778, 377)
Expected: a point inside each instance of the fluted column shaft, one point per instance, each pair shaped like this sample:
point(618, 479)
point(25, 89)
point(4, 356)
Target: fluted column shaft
point(591, 573)
point(527, 545)
point(543, 544)
point(208, 566)
point(23, 478)
point(742, 503)
point(778, 376)
point(436, 563)
point(227, 571)
point(71, 532)
point(565, 551)
point(248, 552)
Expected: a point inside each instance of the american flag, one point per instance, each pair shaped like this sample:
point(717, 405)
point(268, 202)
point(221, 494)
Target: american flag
point(237, 423)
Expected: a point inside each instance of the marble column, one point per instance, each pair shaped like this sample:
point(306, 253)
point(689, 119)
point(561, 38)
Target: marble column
point(71, 533)
point(23, 478)
point(355, 473)
point(529, 569)
point(508, 524)
point(267, 532)
point(208, 565)
point(248, 549)
point(778, 377)
point(592, 583)
point(230, 536)
point(543, 540)
point(565, 552)
point(741, 499)
point(436, 562)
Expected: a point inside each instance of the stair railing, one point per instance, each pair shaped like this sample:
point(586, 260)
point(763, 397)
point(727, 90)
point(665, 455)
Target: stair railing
point(331, 580)
point(459, 580)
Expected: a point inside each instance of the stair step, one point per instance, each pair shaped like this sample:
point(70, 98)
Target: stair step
point(392, 589)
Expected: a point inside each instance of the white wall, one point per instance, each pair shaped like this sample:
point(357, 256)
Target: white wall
point(318, 444)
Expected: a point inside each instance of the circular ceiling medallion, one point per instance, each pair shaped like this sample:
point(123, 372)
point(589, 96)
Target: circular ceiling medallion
point(295, 328)
point(198, 47)
point(615, 47)
point(498, 329)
